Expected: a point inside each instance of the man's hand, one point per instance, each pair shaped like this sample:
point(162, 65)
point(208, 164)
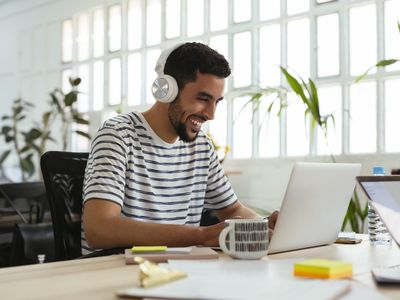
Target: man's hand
point(271, 223)
point(210, 234)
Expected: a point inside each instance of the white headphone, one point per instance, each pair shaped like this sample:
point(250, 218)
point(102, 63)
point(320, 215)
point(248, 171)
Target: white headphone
point(164, 88)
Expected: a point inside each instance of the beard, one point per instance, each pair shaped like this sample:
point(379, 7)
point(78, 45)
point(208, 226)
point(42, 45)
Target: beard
point(174, 113)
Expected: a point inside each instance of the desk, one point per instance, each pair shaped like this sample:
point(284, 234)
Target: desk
point(99, 278)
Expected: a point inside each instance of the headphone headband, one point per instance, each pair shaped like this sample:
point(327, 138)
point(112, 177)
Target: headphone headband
point(165, 87)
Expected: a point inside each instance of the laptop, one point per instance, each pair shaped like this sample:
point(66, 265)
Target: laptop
point(384, 193)
point(314, 205)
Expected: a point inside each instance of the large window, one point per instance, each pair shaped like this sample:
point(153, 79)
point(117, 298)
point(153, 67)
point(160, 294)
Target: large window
point(114, 49)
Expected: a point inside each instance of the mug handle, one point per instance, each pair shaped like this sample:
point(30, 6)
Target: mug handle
point(222, 239)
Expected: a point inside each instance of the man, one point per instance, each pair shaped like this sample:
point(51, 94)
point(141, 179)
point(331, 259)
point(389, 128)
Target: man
point(150, 175)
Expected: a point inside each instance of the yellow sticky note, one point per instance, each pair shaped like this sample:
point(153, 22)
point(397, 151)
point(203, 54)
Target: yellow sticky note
point(148, 248)
point(322, 268)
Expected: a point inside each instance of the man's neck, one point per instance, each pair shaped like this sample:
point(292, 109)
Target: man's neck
point(157, 117)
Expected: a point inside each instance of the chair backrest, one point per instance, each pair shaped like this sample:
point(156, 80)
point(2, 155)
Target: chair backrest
point(63, 174)
point(26, 200)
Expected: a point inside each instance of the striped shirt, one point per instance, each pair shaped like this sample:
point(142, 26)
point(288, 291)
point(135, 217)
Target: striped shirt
point(154, 181)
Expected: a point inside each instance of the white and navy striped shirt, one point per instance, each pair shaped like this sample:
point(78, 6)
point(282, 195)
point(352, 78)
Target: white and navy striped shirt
point(154, 181)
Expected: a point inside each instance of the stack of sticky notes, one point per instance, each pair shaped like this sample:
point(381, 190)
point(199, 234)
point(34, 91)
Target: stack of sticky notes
point(322, 268)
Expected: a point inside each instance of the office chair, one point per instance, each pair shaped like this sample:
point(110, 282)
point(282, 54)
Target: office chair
point(63, 175)
point(22, 212)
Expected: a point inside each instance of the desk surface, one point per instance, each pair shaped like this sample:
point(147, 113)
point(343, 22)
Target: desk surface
point(99, 278)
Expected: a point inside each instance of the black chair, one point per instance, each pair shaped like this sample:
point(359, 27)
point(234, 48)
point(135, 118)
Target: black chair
point(22, 233)
point(63, 174)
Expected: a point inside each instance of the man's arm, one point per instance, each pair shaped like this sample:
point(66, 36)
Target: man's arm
point(238, 210)
point(105, 228)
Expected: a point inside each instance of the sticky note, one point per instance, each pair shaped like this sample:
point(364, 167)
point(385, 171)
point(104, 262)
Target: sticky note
point(322, 268)
point(149, 248)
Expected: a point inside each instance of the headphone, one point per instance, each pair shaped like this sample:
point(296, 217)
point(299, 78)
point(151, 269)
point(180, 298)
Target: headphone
point(164, 88)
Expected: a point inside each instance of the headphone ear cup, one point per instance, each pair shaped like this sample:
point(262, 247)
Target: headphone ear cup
point(165, 88)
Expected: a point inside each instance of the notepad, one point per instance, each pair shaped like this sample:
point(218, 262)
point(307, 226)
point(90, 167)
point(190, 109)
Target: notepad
point(322, 268)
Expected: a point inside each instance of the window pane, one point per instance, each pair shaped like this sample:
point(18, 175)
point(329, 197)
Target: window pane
point(135, 79)
point(242, 59)
point(218, 14)
point(98, 85)
point(299, 47)
point(270, 55)
point(98, 33)
point(114, 28)
point(269, 9)
point(81, 144)
point(328, 45)
point(297, 6)
point(270, 129)
point(297, 131)
point(242, 128)
point(363, 117)
point(134, 24)
point(195, 17)
point(83, 97)
point(330, 101)
point(220, 44)
point(114, 81)
point(172, 18)
point(241, 10)
point(151, 59)
point(65, 85)
point(362, 45)
point(392, 120)
point(153, 22)
point(83, 36)
point(392, 34)
point(67, 41)
point(218, 127)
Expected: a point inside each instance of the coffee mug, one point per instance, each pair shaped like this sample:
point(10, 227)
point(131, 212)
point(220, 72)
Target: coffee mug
point(245, 238)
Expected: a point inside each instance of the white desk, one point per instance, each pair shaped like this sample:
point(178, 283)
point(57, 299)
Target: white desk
point(99, 278)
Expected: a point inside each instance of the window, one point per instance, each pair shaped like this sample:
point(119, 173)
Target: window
point(114, 49)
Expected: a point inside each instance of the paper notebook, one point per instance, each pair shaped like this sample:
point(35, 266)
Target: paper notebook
point(195, 253)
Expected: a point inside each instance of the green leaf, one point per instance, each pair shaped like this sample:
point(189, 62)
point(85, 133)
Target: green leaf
point(5, 130)
point(78, 119)
point(398, 25)
point(27, 165)
point(33, 134)
point(70, 98)
point(9, 138)
point(4, 156)
point(84, 134)
point(294, 84)
point(5, 117)
point(25, 149)
point(46, 117)
point(386, 62)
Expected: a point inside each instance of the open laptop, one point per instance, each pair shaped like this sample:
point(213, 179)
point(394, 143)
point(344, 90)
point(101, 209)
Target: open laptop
point(384, 193)
point(314, 206)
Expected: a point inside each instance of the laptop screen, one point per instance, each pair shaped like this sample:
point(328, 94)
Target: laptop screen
point(384, 193)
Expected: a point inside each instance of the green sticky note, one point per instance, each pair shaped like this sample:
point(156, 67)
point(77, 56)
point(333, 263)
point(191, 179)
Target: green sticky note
point(149, 248)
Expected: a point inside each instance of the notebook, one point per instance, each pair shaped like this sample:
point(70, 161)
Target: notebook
point(314, 205)
point(384, 193)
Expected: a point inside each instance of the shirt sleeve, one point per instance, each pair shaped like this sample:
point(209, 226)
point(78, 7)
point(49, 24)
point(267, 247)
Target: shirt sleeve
point(105, 171)
point(219, 193)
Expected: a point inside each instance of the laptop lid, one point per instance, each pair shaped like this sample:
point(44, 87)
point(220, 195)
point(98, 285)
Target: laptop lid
point(314, 205)
point(384, 193)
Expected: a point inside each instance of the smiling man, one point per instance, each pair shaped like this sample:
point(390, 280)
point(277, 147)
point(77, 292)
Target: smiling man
point(151, 174)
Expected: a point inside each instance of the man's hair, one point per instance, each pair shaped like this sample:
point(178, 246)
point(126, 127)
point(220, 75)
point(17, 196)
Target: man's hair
point(185, 61)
